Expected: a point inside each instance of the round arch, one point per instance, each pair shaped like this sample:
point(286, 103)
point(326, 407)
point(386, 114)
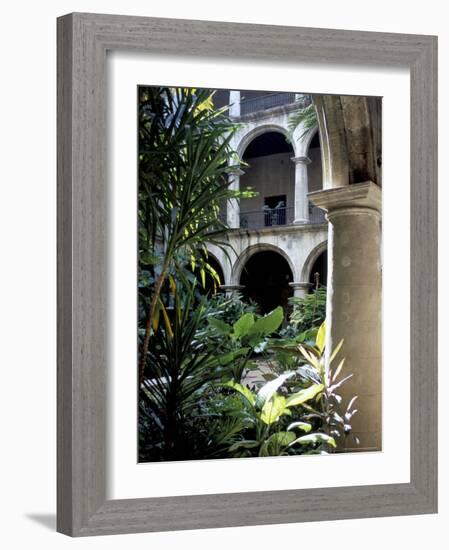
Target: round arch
point(303, 144)
point(250, 251)
point(258, 131)
point(311, 259)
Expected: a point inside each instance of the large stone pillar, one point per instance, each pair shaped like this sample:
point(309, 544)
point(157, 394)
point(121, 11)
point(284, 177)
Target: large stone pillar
point(301, 190)
point(234, 103)
point(300, 289)
point(354, 299)
point(233, 206)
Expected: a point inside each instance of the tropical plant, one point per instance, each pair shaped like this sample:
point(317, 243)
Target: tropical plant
point(271, 421)
point(305, 116)
point(327, 412)
point(229, 308)
point(250, 332)
point(308, 313)
point(184, 168)
point(179, 373)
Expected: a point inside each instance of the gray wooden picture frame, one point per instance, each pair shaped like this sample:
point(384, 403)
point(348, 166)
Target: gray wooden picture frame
point(83, 40)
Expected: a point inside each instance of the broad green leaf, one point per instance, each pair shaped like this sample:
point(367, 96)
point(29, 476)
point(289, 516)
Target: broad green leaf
point(321, 337)
point(268, 324)
point(220, 325)
point(304, 426)
point(282, 439)
point(273, 409)
point(304, 395)
point(243, 325)
point(268, 389)
point(315, 438)
point(229, 357)
point(246, 392)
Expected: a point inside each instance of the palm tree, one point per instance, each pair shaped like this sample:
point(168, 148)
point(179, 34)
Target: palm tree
point(185, 161)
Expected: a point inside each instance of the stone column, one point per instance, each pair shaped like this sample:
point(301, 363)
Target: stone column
point(229, 289)
point(301, 190)
point(233, 206)
point(300, 289)
point(234, 103)
point(354, 299)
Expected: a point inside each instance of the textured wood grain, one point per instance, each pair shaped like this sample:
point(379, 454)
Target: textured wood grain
point(83, 40)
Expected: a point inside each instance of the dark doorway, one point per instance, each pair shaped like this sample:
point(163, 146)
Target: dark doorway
point(265, 278)
point(318, 273)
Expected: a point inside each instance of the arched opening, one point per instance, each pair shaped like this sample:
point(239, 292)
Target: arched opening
point(318, 272)
point(265, 278)
point(271, 173)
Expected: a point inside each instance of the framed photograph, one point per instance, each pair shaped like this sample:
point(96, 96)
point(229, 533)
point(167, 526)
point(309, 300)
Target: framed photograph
point(247, 274)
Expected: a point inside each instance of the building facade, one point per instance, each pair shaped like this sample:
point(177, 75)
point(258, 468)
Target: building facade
point(279, 231)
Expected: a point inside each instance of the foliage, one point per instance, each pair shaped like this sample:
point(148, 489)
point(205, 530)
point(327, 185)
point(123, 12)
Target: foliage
point(179, 374)
point(306, 116)
point(271, 426)
point(307, 315)
point(184, 152)
point(328, 413)
point(250, 332)
point(229, 308)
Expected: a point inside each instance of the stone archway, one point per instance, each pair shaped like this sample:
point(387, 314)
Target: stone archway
point(258, 130)
point(307, 269)
point(254, 249)
point(265, 279)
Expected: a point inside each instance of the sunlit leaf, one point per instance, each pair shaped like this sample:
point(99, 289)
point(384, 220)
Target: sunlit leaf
point(304, 395)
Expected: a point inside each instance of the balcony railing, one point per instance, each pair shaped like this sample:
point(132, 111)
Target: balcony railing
point(316, 215)
point(269, 101)
point(272, 217)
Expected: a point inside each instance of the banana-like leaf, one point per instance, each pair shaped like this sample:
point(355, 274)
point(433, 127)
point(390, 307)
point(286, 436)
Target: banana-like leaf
point(269, 323)
point(304, 426)
point(243, 390)
point(304, 395)
point(267, 390)
point(273, 409)
point(222, 327)
point(314, 438)
point(243, 325)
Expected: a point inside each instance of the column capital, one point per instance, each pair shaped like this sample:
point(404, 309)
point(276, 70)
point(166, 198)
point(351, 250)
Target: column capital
point(355, 197)
point(300, 160)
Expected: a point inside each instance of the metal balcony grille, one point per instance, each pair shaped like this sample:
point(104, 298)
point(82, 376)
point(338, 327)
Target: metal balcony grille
point(266, 102)
point(272, 217)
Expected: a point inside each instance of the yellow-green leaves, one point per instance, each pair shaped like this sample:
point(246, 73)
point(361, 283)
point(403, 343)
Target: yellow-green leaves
point(304, 395)
point(273, 409)
point(321, 337)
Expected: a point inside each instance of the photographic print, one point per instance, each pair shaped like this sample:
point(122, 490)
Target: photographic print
point(259, 273)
